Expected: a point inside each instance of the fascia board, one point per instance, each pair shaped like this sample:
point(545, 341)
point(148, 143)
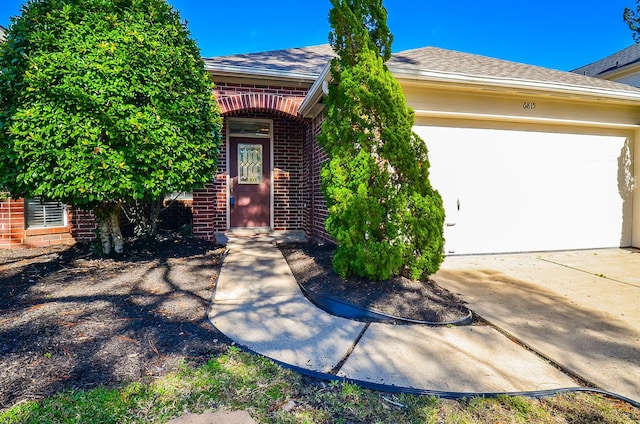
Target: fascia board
point(315, 92)
point(621, 71)
point(511, 84)
point(243, 71)
point(522, 119)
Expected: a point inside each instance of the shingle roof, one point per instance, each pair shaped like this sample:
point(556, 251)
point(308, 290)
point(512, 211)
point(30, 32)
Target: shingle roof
point(453, 62)
point(310, 61)
point(302, 61)
point(617, 60)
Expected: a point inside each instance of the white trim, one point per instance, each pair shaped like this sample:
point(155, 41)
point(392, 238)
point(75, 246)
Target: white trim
point(271, 172)
point(513, 83)
point(315, 92)
point(271, 165)
point(403, 74)
point(243, 71)
point(522, 119)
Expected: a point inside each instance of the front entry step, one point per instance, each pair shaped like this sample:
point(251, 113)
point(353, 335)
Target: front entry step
point(247, 231)
point(291, 236)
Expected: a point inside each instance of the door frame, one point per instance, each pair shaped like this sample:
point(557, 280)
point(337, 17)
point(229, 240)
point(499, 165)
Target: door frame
point(228, 158)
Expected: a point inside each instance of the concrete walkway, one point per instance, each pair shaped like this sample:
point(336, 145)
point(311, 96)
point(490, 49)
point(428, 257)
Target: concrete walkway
point(581, 309)
point(259, 305)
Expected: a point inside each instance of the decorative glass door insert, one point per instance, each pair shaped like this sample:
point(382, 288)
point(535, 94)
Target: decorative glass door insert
point(249, 163)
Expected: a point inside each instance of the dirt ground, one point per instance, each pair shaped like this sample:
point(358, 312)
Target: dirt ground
point(399, 297)
point(71, 320)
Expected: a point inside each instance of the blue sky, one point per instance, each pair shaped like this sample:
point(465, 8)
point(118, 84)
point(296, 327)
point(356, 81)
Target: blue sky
point(560, 34)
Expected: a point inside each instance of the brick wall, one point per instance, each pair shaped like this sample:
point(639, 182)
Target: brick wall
point(209, 203)
point(14, 234)
point(83, 225)
point(234, 97)
point(238, 101)
point(316, 211)
point(288, 176)
point(297, 205)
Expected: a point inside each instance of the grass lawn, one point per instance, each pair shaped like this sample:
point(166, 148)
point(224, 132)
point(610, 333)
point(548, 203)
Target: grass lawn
point(239, 381)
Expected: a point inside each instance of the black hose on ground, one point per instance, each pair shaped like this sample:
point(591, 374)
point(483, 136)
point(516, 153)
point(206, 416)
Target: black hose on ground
point(536, 394)
point(347, 310)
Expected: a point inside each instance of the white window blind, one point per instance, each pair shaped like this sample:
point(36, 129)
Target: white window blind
point(44, 214)
point(179, 195)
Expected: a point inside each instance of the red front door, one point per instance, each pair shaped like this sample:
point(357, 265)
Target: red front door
point(250, 190)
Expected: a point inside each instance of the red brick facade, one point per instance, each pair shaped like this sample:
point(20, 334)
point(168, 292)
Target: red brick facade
point(316, 210)
point(83, 225)
point(13, 232)
point(234, 98)
point(298, 203)
point(279, 105)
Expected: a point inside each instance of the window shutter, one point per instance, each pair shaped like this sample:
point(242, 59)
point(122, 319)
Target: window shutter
point(44, 214)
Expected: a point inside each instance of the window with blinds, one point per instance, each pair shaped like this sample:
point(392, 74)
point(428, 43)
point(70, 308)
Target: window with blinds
point(179, 195)
point(44, 214)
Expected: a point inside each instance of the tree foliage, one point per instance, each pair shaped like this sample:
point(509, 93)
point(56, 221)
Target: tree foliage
point(104, 101)
point(632, 19)
point(383, 212)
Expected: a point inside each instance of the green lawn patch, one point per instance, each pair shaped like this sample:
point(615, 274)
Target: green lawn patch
point(270, 393)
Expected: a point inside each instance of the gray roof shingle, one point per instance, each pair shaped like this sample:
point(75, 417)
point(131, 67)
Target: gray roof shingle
point(310, 61)
point(303, 61)
point(453, 62)
point(617, 60)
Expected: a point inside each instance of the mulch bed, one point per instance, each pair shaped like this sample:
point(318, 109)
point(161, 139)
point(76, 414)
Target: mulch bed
point(399, 296)
point(69, 319)
point(72, 320)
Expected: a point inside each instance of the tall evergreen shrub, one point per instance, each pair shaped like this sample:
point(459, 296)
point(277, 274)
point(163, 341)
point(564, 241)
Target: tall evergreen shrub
point(383, 213)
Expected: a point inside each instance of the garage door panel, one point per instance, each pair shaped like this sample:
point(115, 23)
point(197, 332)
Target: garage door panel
point(509, 190)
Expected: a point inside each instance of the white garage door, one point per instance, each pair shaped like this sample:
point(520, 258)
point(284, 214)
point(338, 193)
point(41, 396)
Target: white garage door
point(516, 191)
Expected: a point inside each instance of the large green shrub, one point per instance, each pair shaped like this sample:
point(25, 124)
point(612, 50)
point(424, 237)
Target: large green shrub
point(104, 101)
point(383, 213)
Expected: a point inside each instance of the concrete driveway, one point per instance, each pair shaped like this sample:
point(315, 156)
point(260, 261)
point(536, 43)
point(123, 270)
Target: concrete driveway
point(581, 309)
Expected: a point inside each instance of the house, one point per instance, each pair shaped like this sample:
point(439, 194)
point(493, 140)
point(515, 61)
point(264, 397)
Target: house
point(525, 158)
point(622, 66)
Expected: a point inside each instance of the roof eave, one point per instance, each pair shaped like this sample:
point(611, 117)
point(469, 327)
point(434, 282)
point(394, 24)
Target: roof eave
point(514, 84)
point(308, 107)
point(248, 72)
point(612, 73)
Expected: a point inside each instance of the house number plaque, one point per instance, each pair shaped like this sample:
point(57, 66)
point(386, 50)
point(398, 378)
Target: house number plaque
point(529, 105)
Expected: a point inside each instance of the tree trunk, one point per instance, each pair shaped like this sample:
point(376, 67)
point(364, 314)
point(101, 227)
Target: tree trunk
point(108, 216)
point(154, 215)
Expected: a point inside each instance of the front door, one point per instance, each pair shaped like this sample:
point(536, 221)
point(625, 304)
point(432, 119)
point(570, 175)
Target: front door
point(250, 187)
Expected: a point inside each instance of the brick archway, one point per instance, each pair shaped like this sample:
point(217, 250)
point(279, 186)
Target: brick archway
point(261, 102)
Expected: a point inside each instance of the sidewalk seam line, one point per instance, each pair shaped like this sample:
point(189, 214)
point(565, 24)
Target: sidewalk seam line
point(588, 273)
point(565, 370)
point(336, 369)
